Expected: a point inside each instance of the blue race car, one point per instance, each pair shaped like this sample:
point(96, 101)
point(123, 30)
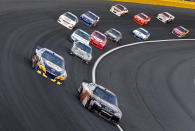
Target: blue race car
point(89, 19)
point(49, 64)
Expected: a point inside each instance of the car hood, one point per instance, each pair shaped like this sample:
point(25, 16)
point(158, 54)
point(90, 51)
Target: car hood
point(81, 39)
point(87, 18)
point(52, 68)
point(80, 52)
point(111, 35)
point(68, 20)
point(178, 31)
point(138, 33)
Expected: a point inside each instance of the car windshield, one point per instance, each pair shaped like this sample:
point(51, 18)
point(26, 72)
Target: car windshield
point(142, 16)
point(120, 7)
point(143, 31)
point(105, 95)
point(53, 58)
point(82, 34)
point(70, 16)
point(100, 36)
point(165, 14)
point(181, 29)
point(84, 47)
point(115, 32)
point(91, 15)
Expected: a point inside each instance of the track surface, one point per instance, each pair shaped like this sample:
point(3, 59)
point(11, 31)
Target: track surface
point(155, 87)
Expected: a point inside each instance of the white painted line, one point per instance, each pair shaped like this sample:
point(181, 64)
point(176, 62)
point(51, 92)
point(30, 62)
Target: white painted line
point(132, 44)
point(119, 127)
point(119, 47)
point(194, 82)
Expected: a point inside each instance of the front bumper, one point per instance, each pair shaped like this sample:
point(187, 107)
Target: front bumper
point(80, 57)
point(104, 114)
point(42, 71)
point(98, 45)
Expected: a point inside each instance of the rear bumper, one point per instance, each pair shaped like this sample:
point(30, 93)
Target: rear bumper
point(139, 22)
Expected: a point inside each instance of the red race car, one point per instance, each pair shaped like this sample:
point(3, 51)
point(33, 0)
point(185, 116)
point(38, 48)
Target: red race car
point(141, 19)
point(98, 39)
point(180, 31)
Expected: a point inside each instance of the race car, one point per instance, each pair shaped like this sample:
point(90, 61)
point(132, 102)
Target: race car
point(89, 19)
point(180, 31)
point(141, 19)
point(80, 35)
point(68, 20)
point(141, 34)
point(49, 64)
point(98, 39)
point(82, 51)
point(100, 100)
point(165, 17)
point(119, 10)
point(114, 35)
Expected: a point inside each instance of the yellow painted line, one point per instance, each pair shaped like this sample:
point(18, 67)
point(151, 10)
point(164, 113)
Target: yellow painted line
point(173, 3)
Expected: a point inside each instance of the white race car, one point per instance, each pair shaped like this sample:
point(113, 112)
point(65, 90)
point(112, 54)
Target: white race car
point(141, 34)
point(68, 20)
point(80, 35)
point(119, 10)
point(165, 17)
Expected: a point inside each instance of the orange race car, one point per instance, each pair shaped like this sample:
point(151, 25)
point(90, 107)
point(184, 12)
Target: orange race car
point(141, 19)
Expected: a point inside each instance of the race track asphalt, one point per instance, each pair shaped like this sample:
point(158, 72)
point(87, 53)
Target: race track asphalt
point(154, 82)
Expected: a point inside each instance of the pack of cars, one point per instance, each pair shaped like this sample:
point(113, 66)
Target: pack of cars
point(93, 96)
